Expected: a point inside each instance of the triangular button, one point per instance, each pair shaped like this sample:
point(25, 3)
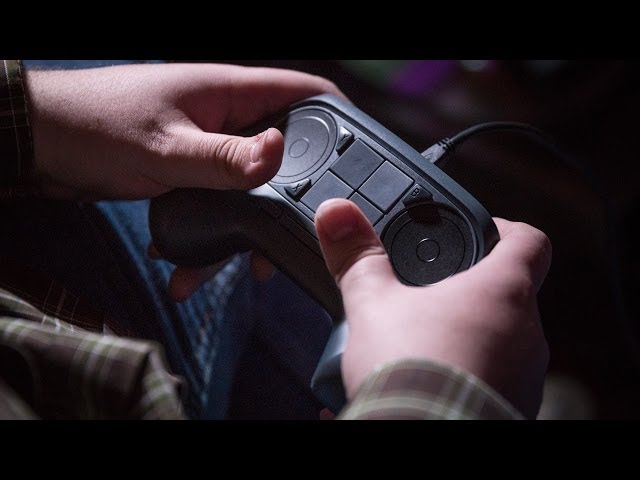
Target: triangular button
point(344, 137)
point(296, 190)
point(417, 194)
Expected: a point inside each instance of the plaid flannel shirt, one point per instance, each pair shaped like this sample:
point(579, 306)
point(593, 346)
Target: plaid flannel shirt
point(60, 359)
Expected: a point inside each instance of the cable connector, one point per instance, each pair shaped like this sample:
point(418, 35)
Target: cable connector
point(437, 151)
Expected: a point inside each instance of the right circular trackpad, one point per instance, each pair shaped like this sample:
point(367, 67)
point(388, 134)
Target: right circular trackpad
point(428, 243)
point(309, 137)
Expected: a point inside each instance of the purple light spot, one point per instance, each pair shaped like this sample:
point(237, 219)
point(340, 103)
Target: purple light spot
point(421, 76)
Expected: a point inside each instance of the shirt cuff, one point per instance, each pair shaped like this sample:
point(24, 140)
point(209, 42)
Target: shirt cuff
point(16, 146)
point(426, 390)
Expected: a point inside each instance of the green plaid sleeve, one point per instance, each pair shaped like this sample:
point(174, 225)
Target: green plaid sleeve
point(16, 146)
point(54, 370)
point(426, 390)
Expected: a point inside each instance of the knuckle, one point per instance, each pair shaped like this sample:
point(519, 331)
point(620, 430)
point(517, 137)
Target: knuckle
point(327, 85)
point(160, 140)
point(542, 242)
point(357, 264)
point(537, 248)
point(226, 154)
point(520, 288)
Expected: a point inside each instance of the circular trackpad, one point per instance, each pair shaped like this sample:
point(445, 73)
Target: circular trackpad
point(309, 138)
point(428, 243)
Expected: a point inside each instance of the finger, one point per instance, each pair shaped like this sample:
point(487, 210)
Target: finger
point(184, 281)
point(210, 160)
point(524, 247)
point(260, 92)
point(352, 250)
point(261, 268)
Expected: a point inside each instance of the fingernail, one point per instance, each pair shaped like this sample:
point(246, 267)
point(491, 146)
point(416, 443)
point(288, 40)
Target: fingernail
point(254, 155)
point(338, 224)
point(256, 148)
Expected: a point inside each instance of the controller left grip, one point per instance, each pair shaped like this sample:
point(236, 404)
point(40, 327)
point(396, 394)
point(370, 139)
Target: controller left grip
point(198, 227)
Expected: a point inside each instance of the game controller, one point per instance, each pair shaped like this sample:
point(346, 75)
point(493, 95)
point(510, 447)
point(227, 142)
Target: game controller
point(430, 226)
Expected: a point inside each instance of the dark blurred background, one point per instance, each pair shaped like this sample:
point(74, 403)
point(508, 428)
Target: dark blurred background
point(589, 207)
point(589, 302)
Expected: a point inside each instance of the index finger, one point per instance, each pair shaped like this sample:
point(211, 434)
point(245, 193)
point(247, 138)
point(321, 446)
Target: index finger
point(259, 92)
point(521, 245)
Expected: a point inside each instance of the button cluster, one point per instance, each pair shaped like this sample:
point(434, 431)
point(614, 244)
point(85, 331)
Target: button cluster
point(385, 186)
point(356, 164)
point(329, 186)
point(364, 177)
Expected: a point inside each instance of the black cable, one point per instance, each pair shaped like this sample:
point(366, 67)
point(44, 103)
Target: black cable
point(499, 126)
point(437, 152)
point(444, 149)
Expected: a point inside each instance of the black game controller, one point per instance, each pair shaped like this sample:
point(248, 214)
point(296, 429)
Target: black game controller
point(430, 226)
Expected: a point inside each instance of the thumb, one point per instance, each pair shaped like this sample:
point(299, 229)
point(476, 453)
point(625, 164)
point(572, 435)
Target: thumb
point(353, 252)
point(224, 162)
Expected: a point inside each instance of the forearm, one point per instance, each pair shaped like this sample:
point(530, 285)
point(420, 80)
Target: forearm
point(425, 390)
point(16, 147)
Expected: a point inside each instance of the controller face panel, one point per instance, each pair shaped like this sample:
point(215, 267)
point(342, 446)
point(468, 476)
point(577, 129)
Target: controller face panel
point(428, 231)
point(430, 226)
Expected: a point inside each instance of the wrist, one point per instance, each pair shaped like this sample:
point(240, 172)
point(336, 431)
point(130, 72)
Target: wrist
point(54, 154)
point(34, 83)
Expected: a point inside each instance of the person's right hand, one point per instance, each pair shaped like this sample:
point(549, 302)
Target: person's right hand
point(484, 320)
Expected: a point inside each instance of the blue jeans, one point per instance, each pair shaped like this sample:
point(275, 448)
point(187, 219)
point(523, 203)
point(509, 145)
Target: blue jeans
point(242, 347)
point(98, 251)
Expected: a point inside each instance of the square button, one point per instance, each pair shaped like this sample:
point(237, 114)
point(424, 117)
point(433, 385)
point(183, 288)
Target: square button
point(329, 186)
point(356, 164)
point(371, 212)
point(385, 186)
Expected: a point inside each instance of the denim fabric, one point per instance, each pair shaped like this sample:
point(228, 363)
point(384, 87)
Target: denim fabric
point(98, 251)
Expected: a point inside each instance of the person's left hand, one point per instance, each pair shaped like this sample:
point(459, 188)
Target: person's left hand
point(137, 131)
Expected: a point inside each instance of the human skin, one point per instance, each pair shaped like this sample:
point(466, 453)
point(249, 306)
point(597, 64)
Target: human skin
point(484, 320)
point(137, 131)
